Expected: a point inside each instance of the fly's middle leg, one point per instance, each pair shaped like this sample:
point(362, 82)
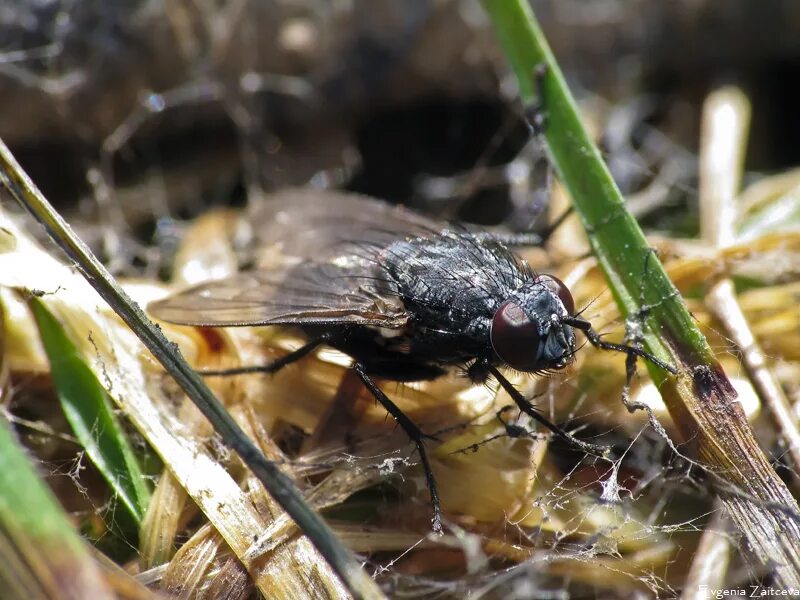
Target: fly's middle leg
point(524, 239)
point(414, 433)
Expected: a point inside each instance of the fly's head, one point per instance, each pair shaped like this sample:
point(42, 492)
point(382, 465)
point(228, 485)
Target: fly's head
point(527, 330)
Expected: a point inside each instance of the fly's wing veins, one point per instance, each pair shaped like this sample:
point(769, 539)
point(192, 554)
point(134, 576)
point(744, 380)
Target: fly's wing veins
point(331, 271)
point(317, 225)
point(311, 293)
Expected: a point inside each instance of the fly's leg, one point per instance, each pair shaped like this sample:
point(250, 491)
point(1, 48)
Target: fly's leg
point(596, 341)
point(534, 113)
point(535, 119)
point(556, 224)
point(525, 238)
point(631, 351)
point(530, 410)
point(512, 239)
point(272, 367)
point(416, 436)
point(512, 429)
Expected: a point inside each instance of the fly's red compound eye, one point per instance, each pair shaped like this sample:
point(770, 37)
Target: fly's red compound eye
point(555, 285)
point(515, 338)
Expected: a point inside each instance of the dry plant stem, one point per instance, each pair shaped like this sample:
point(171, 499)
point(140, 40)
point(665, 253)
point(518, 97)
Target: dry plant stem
point(279, 485)
point(725, 119)
point(764, 190)
point(711, 560)
point(117, 359)
point(159, 528)
point(726, 116)
point(700, 399)
point(283, 571)
point(160, 525)
point(721, 158)
point(723, 303)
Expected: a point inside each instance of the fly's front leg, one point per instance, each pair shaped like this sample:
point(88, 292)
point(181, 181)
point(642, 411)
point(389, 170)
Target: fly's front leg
point(416, 436)
point(525, 406)
point(596, 341)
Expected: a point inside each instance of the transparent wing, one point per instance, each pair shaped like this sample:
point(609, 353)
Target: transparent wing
point(311, 293)
point(316, 224)
point(333, 271)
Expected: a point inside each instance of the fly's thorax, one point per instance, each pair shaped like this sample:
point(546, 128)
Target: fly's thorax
point(450, 277)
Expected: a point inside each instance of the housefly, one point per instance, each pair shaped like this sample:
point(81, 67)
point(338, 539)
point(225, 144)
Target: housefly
point(406, 296)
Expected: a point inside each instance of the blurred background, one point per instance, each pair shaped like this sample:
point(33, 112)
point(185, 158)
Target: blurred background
point(134, 115)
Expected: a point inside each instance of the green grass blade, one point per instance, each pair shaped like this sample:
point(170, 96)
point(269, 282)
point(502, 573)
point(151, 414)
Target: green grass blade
point(636, 277)
point(41, 555)
point(88, 411)
point(700, 399)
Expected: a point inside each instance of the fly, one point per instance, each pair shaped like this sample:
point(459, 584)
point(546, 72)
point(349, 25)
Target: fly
point(406, 296)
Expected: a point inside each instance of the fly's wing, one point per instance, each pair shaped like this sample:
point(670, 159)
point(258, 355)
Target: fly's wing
point(308, 294)
point(334, 276)
point(315, 224)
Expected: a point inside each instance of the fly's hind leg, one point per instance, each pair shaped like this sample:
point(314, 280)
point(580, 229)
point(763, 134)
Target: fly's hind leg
point(272, 367)
point(416, 436)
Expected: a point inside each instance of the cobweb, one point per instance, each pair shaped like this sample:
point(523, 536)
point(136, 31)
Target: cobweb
point(137, 117)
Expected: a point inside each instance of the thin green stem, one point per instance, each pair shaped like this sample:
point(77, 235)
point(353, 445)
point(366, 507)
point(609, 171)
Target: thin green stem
point(638, 281)
point(700, 399)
